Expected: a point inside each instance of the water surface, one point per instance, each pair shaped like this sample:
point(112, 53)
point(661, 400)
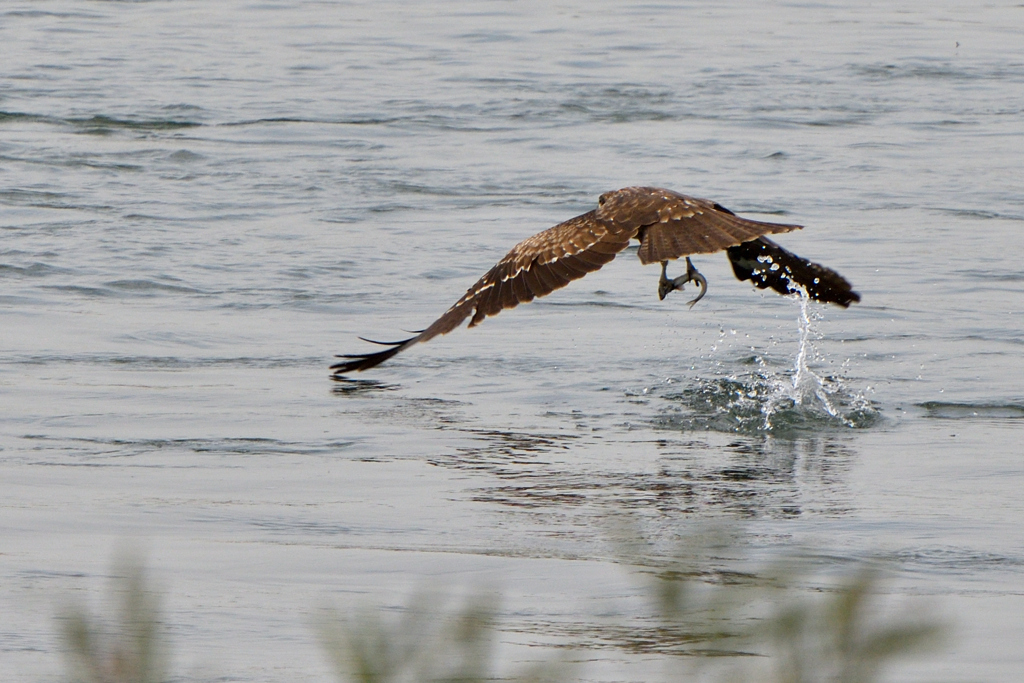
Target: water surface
point(201, 203)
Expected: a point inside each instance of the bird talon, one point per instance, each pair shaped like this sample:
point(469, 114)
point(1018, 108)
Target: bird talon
point(664, 284)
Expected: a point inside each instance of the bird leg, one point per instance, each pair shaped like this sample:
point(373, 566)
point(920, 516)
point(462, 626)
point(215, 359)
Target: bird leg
point(665, 285)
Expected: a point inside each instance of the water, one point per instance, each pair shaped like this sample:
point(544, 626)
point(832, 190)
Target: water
point(203, 202)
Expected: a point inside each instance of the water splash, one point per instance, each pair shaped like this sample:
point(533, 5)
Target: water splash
point(771, 398)
point(807, 388)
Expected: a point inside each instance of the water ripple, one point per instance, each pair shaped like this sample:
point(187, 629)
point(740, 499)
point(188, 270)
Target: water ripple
point(969, 411)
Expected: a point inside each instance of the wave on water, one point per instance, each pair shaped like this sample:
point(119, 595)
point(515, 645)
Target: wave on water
point(962, 411)
point(782, 402)
point(114, 450)
point(99, 123)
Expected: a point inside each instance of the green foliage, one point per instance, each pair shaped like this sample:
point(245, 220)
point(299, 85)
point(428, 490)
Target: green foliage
point(784, 622)
point(128, 651)
point(714, 614)
point(425, 644)
point(837, 638)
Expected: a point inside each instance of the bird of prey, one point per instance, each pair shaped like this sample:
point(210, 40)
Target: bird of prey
point(668, 226)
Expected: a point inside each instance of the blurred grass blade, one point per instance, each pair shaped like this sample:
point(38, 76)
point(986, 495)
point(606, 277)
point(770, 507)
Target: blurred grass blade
point(129, 649)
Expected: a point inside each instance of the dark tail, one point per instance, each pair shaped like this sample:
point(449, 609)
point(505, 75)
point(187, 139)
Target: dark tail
point(365, 361)
point(766, 264)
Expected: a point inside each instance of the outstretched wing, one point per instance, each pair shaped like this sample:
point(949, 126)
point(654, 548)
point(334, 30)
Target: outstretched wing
point(670, 225)
point(766, 264)
point(536, 266)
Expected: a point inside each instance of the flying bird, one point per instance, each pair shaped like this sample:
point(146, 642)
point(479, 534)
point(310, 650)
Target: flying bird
point(668, 226)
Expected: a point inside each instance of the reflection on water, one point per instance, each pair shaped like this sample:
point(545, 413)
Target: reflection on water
point(359, 387)
point(749, 478)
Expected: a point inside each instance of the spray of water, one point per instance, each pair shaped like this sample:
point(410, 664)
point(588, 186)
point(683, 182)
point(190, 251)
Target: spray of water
point(773, 399)
point(807, 389)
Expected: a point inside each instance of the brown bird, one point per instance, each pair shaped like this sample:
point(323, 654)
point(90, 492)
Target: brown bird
point(668, 226)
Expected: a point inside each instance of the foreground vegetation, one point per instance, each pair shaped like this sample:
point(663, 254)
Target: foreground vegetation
point(711, 617)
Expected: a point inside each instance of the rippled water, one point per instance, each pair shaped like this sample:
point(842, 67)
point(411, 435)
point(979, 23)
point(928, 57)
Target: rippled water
point(201, 203)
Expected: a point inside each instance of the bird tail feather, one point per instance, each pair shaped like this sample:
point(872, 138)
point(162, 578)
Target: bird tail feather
point(358, 362)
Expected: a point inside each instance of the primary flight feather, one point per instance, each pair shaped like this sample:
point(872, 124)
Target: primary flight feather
point(668, 226)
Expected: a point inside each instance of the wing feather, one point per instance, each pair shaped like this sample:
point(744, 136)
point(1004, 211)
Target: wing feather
point(533, 268)
point(672, 225)
point(550, 281)
point(565, 267)
point(521, 289)
point(593, 259)
point(669, 225)
point(551, 259)
point(535, 283)
point(489, 303)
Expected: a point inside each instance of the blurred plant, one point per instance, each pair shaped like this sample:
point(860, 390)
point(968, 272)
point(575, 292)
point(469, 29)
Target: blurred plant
point(837, 638)
point(790, 624)
point(424, 642)
point(716, 614)
point(127, 651)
